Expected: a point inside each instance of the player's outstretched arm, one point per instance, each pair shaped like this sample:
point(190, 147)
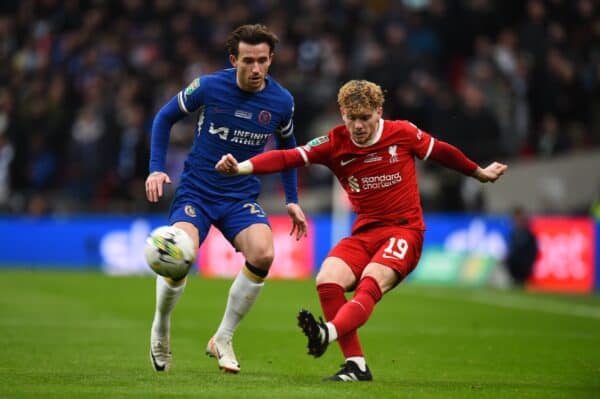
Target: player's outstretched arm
point(490, 173)
point(267, 162)
point(453, 158)
point(154, 185)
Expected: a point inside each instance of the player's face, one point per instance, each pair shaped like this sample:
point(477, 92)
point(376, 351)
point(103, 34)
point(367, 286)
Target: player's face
point(252, 64)
point(362, 126)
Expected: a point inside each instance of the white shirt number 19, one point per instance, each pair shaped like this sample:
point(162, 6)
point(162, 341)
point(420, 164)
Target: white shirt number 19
point(396, 249)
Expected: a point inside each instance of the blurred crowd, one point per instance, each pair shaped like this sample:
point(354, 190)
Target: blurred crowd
point(80, 82)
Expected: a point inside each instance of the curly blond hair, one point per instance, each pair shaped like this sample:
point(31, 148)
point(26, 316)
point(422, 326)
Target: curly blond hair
point(358, 97)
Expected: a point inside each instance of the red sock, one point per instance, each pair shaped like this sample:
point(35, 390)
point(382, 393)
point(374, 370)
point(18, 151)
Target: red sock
point(332, 299)
point(357, 311)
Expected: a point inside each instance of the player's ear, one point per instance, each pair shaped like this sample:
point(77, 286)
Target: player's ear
point(233, 59)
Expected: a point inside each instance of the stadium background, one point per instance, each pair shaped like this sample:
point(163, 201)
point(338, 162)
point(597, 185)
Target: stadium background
point(510, 80)
point(516, 81)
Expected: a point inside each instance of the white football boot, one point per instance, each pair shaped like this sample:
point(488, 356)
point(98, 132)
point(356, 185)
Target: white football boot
point(223, 352)
point(160, 352)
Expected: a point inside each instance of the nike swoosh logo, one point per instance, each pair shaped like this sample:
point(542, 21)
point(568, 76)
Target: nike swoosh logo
point(385, 256)
point(219, 355)
point(157, 366)
point(214, 351)
point(347, 161)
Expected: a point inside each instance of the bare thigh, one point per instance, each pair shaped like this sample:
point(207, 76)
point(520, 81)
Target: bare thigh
point(335, 270)
point(255, 242)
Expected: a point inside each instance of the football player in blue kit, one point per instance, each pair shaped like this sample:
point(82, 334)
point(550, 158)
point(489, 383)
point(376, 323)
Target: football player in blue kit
point(238, 109)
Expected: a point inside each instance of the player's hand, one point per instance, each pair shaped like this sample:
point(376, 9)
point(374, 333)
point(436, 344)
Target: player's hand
point(300, 227)
point(154, 185)
point(491, 173)
point(227, 165)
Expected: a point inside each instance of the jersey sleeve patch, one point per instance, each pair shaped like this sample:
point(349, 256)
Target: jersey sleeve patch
point(192, 87)
point(189, 98)
point(316, 142)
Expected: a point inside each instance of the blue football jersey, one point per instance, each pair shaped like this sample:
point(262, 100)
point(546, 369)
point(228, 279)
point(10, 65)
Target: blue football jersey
point(230, 120)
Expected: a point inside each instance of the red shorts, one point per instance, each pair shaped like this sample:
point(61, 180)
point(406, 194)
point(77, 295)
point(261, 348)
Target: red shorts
point(393, 246)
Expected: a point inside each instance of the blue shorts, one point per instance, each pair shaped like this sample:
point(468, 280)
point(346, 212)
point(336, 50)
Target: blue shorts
point(229, 215)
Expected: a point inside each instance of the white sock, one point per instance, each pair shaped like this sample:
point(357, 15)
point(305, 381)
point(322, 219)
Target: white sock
point(332, 331)
point(166, 298)
point(360, 362)
point(242, 295)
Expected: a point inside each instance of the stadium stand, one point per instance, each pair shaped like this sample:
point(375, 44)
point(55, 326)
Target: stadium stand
point(81, 80)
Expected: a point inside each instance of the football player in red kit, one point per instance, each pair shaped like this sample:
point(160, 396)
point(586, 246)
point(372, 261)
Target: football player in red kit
point(374, 160)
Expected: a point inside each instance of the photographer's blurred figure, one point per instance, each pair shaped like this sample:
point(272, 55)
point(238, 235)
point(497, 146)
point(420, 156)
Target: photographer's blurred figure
point(522, 250)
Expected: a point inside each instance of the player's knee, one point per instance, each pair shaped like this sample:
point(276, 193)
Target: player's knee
point(191, 230)
point(321, 279)
point(254, 273)
point(344, 278)
point(262, 259)
point(325, 276)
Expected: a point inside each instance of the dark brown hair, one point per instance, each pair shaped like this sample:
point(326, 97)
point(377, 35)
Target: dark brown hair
point(251, 34)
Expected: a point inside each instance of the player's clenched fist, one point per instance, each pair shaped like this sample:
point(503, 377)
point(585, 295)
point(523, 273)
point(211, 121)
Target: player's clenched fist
point(154, 185)
point(491, 173)
point(227, 165)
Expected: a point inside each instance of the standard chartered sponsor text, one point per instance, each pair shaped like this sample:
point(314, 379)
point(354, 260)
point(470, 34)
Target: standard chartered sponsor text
point(381, 181)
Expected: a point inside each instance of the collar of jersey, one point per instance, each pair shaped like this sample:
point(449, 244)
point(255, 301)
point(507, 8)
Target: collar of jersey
point(375, 138)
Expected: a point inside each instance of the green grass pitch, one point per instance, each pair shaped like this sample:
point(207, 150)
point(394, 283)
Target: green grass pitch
point(85, 335)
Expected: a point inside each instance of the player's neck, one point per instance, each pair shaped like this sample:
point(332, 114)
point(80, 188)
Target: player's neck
point(375, 138)
point(251, 89)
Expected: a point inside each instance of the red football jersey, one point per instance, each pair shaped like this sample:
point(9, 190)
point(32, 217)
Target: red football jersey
point(379, 178)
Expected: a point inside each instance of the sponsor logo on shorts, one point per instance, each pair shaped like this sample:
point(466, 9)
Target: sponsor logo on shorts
point(190, 211)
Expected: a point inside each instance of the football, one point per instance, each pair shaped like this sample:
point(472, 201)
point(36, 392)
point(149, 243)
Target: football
point(170, 252)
